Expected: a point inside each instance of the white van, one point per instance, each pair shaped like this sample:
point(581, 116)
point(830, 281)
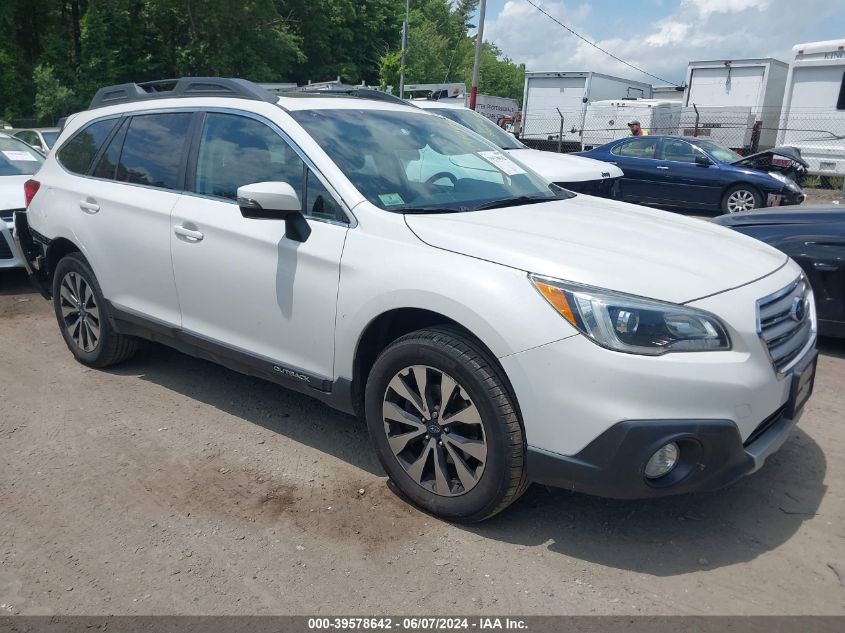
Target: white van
point(814, 106)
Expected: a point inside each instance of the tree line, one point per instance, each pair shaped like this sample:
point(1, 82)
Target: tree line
point(55, 54)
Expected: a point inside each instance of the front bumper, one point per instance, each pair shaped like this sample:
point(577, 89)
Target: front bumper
point(9, 256)
point(712, 453)
point(593, 416)
point(786, 197)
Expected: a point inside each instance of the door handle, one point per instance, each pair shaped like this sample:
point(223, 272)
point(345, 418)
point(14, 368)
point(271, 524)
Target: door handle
point(662, 167)
point(189, 234)
point(89, 207)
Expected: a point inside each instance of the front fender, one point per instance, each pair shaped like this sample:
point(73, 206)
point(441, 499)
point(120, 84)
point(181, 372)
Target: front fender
point(496, 303)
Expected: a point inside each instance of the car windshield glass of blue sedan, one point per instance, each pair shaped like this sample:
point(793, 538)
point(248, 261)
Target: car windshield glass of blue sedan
point(17, 158)
point(413, 161)
point(720, 153)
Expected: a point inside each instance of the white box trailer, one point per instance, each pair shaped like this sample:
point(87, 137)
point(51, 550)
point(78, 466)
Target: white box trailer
point(741, 83)
point(608, 120)
point(550, 95)
point(727, 125)
point(814, 106)
point(668, 93)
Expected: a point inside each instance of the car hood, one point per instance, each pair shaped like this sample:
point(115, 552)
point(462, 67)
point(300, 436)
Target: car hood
point(608, 244)
point(780, 159)
point(555, 167)
point(11, 192)
point(784, 215)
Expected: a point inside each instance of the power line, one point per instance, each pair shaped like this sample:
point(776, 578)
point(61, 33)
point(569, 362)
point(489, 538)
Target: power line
point(594, 45)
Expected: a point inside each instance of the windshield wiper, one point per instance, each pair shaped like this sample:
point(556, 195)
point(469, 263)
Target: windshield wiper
point(421, 210)
point(513, 202)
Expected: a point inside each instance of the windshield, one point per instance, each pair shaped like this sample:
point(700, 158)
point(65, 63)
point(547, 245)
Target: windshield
point(406, 161)
point(50, 138)
point(17, 158)
point(720, 153)
point(480, 124)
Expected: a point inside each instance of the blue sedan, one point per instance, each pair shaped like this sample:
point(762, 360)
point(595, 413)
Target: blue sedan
point(696, 173)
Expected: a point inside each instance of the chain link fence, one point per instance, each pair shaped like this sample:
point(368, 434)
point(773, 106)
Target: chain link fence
point(819, 133)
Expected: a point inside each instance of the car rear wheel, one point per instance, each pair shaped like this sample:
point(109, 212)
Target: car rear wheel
point(741, 198)
point(83, 316)
point(444, 425)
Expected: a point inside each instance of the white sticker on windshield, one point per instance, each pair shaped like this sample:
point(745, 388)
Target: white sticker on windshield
point(391, 199)
point(502, 162)
point(18, 155)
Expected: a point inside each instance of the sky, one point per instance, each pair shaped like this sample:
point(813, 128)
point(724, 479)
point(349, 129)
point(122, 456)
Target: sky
point(659, 36)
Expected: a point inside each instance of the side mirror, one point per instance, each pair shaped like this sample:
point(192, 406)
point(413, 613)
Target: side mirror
point(702, 161)
point(274, 201)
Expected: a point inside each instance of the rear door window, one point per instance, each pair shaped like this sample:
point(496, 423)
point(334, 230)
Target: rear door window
point(153, 150)
point(638, 148)
point(77, 154)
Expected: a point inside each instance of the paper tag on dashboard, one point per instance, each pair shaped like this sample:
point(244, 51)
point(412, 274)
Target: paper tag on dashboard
point(502, 162)
point(391, 199)
point(17, 155)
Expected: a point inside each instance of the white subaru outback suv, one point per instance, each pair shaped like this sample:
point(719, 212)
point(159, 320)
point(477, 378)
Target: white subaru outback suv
point(491, 330)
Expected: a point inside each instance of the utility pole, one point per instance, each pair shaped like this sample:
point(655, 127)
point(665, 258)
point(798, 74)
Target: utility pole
point(404, 46)
point(476, 67)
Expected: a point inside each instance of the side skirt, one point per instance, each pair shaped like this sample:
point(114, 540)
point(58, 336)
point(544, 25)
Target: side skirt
point(337, 394)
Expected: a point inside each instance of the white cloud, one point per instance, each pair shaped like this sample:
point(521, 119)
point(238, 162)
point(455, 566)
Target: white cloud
point(695, 30)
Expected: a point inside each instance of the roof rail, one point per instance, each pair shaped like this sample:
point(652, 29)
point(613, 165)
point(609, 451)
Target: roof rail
point(360, 93)
point(179, 88)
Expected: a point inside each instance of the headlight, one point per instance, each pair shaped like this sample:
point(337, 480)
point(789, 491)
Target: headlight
point(630, 324)
point(781, 178)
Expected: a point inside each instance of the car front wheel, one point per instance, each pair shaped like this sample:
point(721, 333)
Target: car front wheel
point(444, 425)
point(741, 198)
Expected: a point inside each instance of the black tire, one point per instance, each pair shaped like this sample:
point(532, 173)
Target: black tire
point(110, 347)
point(452, 352)
point(738, 190)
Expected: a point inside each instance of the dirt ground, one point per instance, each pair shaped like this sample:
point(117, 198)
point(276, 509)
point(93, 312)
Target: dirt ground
point(172, 486)
point(827, 197)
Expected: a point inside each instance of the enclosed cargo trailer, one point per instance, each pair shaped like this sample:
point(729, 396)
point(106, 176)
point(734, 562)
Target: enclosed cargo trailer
point(757, 84)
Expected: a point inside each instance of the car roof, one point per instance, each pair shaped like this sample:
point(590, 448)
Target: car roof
point(438, 104)
point(330, 101)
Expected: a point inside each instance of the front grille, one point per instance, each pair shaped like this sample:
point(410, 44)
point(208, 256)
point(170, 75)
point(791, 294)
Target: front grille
point(8, 214)
point(5, 249)
point(785, 323)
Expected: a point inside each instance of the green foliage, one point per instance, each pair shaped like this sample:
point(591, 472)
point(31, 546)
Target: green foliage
point(440, 50)
point(52, 99)
point(54, 54)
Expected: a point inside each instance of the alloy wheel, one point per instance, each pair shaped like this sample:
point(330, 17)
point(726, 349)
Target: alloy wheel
point(434, 430)
point(741, 200)
point(80, 312)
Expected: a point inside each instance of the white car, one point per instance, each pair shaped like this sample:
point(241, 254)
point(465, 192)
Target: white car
point(18, 161)
point(576, 173)
point(41, 139)
point(491, 333)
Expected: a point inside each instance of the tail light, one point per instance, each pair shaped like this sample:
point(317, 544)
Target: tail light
point(30, 188)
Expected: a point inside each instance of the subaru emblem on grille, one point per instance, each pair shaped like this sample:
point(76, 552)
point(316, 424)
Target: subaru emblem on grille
point(799, 309)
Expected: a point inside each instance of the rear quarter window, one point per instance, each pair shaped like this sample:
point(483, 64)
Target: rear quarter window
point(77, 154)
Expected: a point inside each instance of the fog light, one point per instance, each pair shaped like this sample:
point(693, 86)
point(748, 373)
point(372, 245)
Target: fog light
point(663, 461)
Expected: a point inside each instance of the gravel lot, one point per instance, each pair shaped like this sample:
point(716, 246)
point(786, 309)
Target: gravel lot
point(171, 485)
